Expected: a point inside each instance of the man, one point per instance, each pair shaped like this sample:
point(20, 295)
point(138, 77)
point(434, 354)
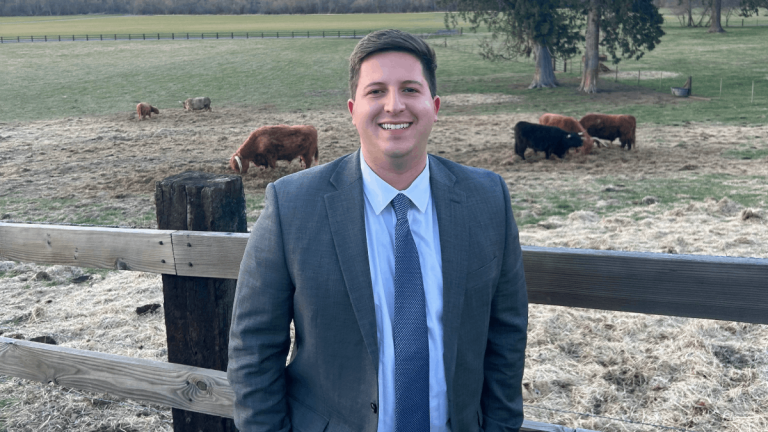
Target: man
point(401, 271)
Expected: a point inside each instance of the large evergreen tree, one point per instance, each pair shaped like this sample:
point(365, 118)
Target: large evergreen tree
point(540, 28)
point(752, 7)
point(629, 29)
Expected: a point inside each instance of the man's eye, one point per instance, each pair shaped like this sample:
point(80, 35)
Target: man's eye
point(375, 92)
point(410, 90)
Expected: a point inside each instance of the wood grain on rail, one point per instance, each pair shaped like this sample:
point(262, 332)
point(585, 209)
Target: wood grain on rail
point(193, 389)
point(111, 248)
point(696, 286)
point(208, 254)
point(179, 386)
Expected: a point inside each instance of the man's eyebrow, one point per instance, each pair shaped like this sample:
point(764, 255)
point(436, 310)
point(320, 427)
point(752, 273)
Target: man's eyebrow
point(407, 82)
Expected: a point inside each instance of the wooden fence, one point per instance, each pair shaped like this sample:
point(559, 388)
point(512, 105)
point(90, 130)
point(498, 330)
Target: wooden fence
point(425, 33)
point(694, 286)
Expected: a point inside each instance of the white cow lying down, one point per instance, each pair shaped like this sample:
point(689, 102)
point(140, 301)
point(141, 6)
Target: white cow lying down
point(198, 103)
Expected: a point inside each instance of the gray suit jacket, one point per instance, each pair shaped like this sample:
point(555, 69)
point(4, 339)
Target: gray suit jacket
point(307, 260)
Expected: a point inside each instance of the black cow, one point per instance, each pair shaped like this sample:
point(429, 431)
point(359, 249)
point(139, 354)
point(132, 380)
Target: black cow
point(548, 139)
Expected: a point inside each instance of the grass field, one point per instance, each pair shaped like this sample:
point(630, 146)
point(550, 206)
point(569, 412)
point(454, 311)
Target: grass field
point(109, 24)
point(52, 80)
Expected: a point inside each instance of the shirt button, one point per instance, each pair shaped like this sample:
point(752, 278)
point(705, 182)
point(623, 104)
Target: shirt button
point(374, 408)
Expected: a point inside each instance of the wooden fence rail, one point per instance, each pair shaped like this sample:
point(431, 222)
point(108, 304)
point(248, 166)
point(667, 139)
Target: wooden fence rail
point(697, 286)
point(178, 386)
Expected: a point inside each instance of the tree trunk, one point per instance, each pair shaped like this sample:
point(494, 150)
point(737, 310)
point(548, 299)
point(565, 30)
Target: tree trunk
point(544, 75)
point(714, 25)
point(690, 13)
point(592, 51)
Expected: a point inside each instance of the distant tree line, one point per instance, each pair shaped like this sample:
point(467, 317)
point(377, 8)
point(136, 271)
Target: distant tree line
point(234, 7)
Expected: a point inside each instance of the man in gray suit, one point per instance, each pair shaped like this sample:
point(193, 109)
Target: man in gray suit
point(401, 271)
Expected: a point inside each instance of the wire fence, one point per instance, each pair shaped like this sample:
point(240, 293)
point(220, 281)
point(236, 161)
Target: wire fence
point(665, 81)
point(339, 34)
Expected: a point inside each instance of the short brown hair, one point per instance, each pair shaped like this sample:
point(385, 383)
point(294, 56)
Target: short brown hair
point(392, 40)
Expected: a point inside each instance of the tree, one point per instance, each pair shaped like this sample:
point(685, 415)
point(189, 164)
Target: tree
point(522, 28)
point(630, 28)
point(714, 22)
point(752, 7)
point(592, 49)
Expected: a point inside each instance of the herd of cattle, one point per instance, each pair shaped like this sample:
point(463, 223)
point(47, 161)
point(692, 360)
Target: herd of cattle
point(145, 110)
point(555, 134)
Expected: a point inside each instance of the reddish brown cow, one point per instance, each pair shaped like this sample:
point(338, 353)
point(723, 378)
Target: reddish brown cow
point(610, 127)
point(569, 124)
point(268, 144)
point(145, 110)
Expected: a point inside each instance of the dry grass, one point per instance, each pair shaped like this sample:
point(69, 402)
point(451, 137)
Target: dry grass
point(613, 368)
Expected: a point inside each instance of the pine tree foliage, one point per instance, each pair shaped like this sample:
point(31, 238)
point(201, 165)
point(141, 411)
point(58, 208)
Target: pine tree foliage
point(517, 26)
point(543, 28)
point(752, 7)
point(629, 28)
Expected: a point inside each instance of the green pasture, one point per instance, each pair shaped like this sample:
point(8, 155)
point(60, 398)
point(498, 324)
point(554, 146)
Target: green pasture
point(62, 79)
point(738, 57)
point(110, 24)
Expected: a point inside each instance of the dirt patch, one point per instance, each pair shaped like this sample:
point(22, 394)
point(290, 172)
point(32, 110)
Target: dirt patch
point(685, 373)
point(643, 74)
point(478, 99)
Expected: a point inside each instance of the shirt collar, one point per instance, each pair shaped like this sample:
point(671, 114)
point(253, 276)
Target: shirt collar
point(381, 193)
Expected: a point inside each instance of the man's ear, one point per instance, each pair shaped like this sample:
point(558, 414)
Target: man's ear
point(436, 102)
point(350, 105)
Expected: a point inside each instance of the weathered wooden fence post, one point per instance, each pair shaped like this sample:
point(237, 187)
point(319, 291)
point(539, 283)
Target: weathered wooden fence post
point(198, 310)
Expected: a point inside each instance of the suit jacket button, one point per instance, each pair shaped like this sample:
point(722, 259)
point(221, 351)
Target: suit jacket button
point(374, 408)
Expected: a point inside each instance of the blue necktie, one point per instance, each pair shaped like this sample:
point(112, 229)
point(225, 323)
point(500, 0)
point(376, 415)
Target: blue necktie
point(409, 329)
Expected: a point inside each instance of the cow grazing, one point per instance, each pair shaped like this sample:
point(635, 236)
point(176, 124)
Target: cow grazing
point(548, 139)
point(268, 144)
point(569, 124)
point(145, 110)
point(196, 104)
point(610, 127)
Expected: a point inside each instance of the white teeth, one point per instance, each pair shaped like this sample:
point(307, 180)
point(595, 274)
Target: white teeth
point(390, 126)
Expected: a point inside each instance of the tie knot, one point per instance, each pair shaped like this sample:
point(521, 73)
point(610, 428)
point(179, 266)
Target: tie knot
point(401, 203)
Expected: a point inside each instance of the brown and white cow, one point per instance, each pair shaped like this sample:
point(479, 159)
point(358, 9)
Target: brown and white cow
point(145, 110)
point(610, 127)
point(569, 124)
point(268, 144)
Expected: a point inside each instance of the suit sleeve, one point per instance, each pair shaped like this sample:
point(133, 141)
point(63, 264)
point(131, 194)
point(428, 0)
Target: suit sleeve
point(502, 399)
point(259, 338)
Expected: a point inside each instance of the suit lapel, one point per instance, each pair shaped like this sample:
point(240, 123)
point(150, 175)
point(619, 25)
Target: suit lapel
point(454, 238)
point(346, 215)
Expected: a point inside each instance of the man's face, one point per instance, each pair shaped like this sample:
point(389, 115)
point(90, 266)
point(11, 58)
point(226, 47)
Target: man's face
point(393, 110)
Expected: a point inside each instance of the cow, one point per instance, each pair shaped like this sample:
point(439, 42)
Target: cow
point(610, 127)
point(569, 124)
point(548, 139)
point(268, 144)
point(145, 110)
point(198, 103)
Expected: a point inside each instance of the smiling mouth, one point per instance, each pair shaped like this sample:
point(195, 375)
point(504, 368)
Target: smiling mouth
point(394, 126)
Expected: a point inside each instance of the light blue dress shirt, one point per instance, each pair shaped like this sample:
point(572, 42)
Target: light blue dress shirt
point(380, 233)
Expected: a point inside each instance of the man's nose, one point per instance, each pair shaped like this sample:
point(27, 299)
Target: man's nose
point(394, 102)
